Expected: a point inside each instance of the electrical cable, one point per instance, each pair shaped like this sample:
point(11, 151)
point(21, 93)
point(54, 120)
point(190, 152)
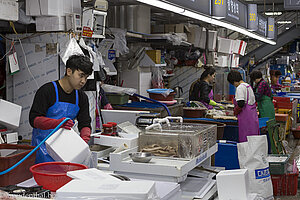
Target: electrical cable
point(38, 146)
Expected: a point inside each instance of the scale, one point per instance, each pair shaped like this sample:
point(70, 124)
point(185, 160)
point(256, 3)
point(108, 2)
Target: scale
point(145, 119)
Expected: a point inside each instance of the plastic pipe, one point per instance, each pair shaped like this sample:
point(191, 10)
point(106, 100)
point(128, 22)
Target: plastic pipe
point(33, 150)
point(152, 126)
point(135, 94)
point(179, 118)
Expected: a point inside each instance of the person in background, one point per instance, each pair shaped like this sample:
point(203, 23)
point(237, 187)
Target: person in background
point(245, 108)
point(57, 100)
point(103, 102)
point(201, 89)
point(263, 95)
point(275, 74)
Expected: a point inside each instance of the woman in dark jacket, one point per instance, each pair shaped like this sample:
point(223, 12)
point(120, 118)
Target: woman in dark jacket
point(201, 90)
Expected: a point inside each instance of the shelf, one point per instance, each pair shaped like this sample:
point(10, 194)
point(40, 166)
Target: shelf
point(156, 37)
point(170, 169)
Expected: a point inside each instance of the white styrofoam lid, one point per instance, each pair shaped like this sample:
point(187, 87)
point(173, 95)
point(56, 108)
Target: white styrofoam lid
point(91, 174)
point(109, 188)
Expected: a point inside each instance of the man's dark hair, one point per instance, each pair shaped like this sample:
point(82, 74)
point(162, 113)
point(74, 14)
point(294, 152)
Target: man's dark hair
point(208, 71)
point(275, 73)
point(80, 62)
point(255, 74)
point(234, 76)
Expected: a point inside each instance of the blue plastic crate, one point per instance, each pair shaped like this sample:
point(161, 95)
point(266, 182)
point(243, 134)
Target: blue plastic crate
point(227, 155)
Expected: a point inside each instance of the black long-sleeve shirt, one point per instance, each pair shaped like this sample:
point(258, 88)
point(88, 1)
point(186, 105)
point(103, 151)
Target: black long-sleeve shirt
point(199, 91)
point(45, 97)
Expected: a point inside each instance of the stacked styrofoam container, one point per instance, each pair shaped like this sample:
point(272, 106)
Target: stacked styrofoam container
point(233, 184)
point(9, 10)
point(229, 51)
point(50, 14)
point(10, 114)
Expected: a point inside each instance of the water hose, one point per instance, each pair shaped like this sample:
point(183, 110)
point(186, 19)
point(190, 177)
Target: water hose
point(135, 94)
point(33, 150)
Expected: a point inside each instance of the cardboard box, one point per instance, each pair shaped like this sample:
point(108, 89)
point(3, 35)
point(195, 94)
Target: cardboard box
point(155, 55)
point(160, 28)
point(194, 35)
point(10, 114)
point(169, 28)
point(212, 39)
point(233, 184)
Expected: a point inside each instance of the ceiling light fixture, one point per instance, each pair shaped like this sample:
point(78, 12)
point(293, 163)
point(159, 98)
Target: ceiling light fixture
point(284, 22)
point(273, 13)
point(204, 18)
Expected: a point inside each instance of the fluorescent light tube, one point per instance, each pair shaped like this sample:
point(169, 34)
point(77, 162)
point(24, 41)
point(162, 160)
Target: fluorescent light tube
point(163, 5)
point(273, 13)
point(284, 22)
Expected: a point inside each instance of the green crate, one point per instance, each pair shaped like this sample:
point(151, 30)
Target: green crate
point(280, 166)
point(117, 99)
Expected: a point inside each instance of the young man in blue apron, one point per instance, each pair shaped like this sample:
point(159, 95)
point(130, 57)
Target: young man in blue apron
point(56, 100)
point(245, 107)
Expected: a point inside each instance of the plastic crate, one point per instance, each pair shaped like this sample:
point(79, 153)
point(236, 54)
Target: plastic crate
point(279, 167)
point(227, 155)
point(21, 172)
point(117, 99)
point(285, 184)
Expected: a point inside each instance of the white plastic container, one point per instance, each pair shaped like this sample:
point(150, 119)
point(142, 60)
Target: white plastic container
point(66, 145)
point(130, 140)
point(10, 114)
point(233, 184)
point(107, 189)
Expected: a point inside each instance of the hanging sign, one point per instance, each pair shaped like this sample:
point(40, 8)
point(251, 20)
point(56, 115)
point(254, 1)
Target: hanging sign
point(262, 25)
point(231, 11)
point(291, 4)
point(202, 6)
point(272, 31)
point(252, 17)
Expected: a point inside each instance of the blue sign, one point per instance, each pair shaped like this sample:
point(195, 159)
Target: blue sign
point(111, 54)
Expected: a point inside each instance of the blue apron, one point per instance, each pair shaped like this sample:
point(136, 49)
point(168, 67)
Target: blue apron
point(57, 111)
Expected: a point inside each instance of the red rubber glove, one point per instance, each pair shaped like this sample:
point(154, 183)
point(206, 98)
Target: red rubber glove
point(108, 107)
point(237, 110)
point(46, 123)
point(85, 134)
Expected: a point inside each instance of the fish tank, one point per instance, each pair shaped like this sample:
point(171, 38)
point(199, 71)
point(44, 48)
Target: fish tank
point(180, 140)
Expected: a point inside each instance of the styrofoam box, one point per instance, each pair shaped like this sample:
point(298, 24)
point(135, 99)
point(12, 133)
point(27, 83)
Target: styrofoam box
point(51, 23)
point(233, 184)
point(79, 189)
point(10, 114)
point(225, 45)
point(222, 61)
point(131, 140)
point(9, 10)
point(66, 145)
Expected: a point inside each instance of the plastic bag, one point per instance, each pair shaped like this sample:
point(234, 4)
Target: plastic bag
point(72, 48)
point(120, 43)
point(119, 90)
point(93, 55)
point(252, 156)
point(157, 78)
